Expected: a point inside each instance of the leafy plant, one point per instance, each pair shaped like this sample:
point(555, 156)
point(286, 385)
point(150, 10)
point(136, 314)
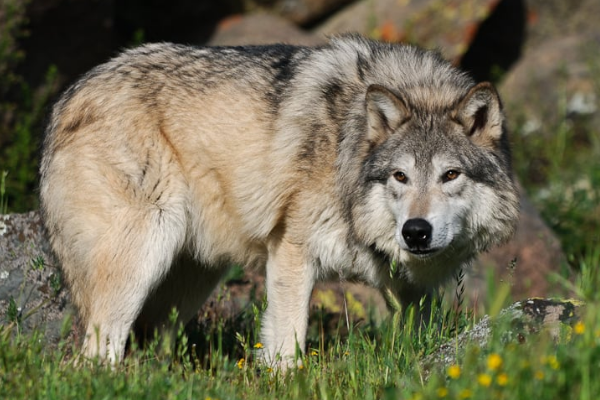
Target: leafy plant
point(21, 112)
point(3, 199)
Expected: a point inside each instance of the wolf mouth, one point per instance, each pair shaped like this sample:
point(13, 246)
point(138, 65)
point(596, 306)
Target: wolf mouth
point(423, 253)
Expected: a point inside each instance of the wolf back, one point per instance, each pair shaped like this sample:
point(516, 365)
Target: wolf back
point(169, 163)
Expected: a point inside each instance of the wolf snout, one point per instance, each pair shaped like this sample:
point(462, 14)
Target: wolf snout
point(417, 234)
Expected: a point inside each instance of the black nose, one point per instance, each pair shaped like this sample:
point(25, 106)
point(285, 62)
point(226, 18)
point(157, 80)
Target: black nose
point(417, 233)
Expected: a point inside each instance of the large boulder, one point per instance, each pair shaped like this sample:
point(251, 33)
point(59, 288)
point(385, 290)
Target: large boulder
point(260, 28)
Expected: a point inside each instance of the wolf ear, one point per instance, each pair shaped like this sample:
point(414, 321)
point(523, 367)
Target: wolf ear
point(480, 112)
point(385, 113)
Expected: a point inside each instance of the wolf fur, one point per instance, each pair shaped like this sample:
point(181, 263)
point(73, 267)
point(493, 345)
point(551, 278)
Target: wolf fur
point(169, 163)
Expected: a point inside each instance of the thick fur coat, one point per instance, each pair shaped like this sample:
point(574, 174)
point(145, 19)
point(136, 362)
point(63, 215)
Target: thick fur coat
point(169, 163)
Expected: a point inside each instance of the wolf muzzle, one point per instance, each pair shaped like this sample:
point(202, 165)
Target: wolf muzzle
point(417, 234)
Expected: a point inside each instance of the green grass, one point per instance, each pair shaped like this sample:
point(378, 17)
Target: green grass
point(370, 362)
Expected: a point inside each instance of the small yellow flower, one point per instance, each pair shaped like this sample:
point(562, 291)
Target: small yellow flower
point(539, 375)
point(301, 366)
point(502, 379)
point(552, 361)
point(494, 361)
point(258, 345)
point(579, 328)
point(240, 363)
point(269, 370)
point(314, 353)
point(442, 392)
point(454, 371)
point(484, 380)
point(465, 394)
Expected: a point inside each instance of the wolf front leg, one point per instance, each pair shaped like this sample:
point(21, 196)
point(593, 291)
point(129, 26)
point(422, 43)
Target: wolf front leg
point(289, 283)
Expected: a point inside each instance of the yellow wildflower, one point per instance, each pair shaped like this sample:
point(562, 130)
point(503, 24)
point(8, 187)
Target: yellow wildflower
point(314, 353)
point(258, 345)
point(442, 392)
point(240, 363)
point(579, 328)
point(454, 371)
point(494, 361)
point(502, 379)
point(484, 380)
point(552, 361)
point(465, 394)
point(539, 375)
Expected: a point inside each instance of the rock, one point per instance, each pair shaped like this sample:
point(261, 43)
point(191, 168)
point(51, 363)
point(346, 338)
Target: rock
point(449, 26)
point(31, 290)
point(260, 28)
point(305, 12)
point(553, 81)
point(558, 73)
point(552, 19)
point(524, 319)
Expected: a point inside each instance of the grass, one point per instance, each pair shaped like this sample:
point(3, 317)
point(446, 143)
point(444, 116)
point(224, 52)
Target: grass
point(22, 112)
point(370, 362)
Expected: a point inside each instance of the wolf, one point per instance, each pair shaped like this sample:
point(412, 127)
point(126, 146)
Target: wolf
point(169, 163)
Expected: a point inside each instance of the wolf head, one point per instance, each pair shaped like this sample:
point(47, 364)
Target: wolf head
point(441, 171)
point(423, 166)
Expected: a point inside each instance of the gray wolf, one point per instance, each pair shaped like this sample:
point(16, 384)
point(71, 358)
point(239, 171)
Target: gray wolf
point(169, 163)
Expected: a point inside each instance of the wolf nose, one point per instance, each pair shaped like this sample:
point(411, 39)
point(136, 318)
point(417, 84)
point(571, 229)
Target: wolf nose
point(417, 233)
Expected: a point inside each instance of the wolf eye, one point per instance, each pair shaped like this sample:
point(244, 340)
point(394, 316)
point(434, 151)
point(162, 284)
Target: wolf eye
point(450, 175)
point(400, 176)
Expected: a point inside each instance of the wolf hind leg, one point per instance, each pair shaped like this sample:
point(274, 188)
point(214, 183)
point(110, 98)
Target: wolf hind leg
point(128, 262)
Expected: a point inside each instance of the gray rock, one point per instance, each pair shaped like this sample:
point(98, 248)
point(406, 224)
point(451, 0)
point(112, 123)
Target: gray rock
point(520, 323)
point(260, 28)
point(32, 296)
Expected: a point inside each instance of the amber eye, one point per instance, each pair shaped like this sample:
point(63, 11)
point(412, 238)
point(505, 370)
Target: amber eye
point(450, 175)
point(400, 176)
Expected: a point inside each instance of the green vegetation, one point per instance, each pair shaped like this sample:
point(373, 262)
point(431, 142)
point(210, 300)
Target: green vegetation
point(370, 362)
point(21, 113)
point(558, 163)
